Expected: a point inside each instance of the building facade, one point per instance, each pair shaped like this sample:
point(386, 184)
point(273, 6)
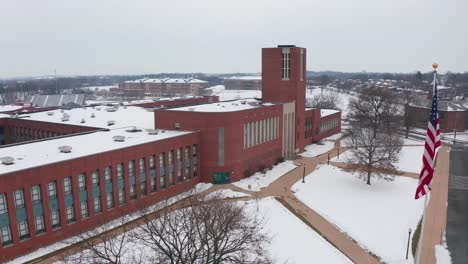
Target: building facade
point(243, 83)
point(163, 87)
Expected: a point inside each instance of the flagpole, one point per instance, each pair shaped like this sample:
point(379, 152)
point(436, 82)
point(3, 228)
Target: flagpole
point(426, 189)
point(420, 242)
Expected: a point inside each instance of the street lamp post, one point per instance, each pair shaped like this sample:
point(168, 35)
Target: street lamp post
point(407, 246)
point(338, 152)
point(303, 174)
point(328, 162)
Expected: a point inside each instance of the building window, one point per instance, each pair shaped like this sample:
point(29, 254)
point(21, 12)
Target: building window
point(110, 200)
point(3, 204)
point(120, 171)
point(286, 64)
point(187, 162)
point(36, 193)
point(195, 160)
point(39, 222)
point(142, 166)
point(97, 204)
point(152, 173)
point(108, 174)
point(162, 170)
point(84, 209)
point(121, 196)
point(19, 199)
point(70, 214)
point(221, 146)
point(95, 178)
point(301, 66)
point(179, 165)
point(133, 191)
point(6, 235)
point(177, 126)
point(131, 168)
point(67, 185)
point(81, 182)
point(23, 229)
point(171, 167)
point(55, 218)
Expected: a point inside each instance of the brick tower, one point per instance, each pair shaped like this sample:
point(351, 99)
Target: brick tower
point(284, 81)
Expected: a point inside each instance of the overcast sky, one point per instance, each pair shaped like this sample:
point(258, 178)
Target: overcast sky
point(86, 37)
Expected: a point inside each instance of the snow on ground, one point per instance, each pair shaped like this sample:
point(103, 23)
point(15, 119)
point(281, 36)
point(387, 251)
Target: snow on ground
point(200, 187)
point(226, 193)
point(293, 242)
point(225, 95)
point(260, 180)
point(321, 147)
point(377, 216)
point(442, 254)
point(344, 97)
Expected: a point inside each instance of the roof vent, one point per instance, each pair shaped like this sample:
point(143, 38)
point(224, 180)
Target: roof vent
point(163, 131)
point(124, 107)
point(133, 130)
point(7, 160)
point(50, 113)
point(153, 132)
point(119, 138)
point(82, 120)
point(93, 115)
point(65, 149)
point(65, 118)
point(191, 109)
point(111, 109)
point(110, 122)
point(61, 110)
point(98, 108)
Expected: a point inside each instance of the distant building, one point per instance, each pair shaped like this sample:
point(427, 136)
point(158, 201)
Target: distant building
point(453, 115)
point(163, 87)
point(243, 83)
point(55, 100)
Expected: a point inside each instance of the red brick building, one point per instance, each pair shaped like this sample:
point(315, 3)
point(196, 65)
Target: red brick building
point(453, 116)
point(87, 166)
point(163, 87)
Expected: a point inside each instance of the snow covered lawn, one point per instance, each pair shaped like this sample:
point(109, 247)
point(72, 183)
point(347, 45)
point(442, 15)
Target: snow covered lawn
point(292, 240)
point(260, 180)
point(226, 193)
point(323, 146)
point(377, 216)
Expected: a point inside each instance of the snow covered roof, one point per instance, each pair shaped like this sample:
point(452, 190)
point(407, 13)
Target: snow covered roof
point(327, 112)
point(45, 152)
point(56, 99)
point(167, 80)
point(5, 108)
point(123, 116)
point(227, 106)
point(245, 78)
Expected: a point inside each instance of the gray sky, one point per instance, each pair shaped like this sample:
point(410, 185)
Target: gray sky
point(217, 36)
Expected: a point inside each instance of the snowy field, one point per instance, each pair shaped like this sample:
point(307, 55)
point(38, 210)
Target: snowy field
point(260, 180)
point(294, 243)
point(323, 146)
point(377, 216)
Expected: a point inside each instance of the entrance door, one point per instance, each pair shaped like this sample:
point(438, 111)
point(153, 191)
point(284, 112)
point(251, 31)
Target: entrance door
point(221, 177)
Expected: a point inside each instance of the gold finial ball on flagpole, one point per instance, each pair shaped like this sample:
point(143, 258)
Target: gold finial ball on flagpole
point(435, 65)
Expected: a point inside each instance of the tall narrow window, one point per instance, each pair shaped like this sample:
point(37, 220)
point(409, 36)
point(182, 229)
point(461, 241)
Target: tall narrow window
point(195, 160)
point(3, 204)
point(55, 218)
point(152, 165)
point(301, 69)
point(286, 70)
point(121, 182)
point(81, 182)
point(96, 191)
point(142, 166)
point(67, 186)
point(162, 170)
point(39, 223)
point(171, 167)
point(187, 162)
point(70, 214)
point(109, 191)
point(179, 165)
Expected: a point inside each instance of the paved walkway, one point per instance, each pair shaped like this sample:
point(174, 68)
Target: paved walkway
point(281, 188)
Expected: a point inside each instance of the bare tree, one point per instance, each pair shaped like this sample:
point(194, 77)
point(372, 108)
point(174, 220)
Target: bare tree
point(374, 155)
point(326, 100)
point(375, 109)
point(210, 231)
point(105, 245)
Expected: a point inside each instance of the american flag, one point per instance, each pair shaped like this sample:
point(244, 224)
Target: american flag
point(430, 147)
